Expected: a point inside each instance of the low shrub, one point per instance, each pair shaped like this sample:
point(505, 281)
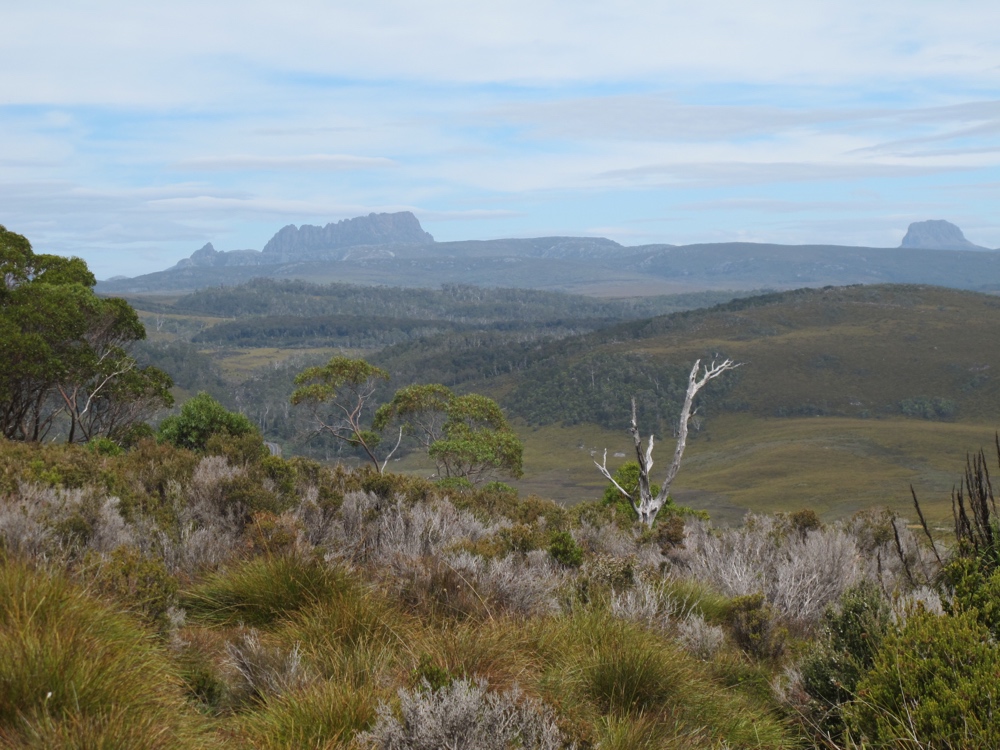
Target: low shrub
point(265, 669)
point(138, 582)
point(851, 635)
point(463, 715)
point(201, 418)
point(933, 684)
point(699, 638)
point(565, 550)
point(754, 626)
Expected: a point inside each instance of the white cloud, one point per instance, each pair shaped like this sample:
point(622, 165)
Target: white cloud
point(333, 162)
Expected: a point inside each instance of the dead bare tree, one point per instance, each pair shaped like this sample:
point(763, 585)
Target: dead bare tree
point(645, 505)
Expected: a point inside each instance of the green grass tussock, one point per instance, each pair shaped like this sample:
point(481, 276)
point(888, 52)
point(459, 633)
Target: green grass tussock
point(618, 682)
point(77, 674)
point(259, 592)
point(323, 716)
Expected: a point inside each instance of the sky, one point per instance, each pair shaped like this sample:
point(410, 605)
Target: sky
point(134, 133)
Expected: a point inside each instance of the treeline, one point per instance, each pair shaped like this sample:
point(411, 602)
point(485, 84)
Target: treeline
point(453, 302)
point(350, 331)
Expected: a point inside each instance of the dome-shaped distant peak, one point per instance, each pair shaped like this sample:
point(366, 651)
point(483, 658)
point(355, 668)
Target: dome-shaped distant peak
point(937, 234)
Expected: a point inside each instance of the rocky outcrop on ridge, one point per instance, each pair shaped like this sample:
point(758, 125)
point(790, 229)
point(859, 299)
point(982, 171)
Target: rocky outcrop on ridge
point(310, 241)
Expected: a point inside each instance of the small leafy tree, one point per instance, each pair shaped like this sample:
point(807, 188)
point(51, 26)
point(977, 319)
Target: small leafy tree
point(338, 396)
point(421, 411)
point(467, 436)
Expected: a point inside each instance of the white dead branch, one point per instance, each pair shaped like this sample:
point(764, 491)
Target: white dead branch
point(645, 505)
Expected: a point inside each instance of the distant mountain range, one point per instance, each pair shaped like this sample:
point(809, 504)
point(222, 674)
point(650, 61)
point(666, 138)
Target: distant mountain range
point(393, 249)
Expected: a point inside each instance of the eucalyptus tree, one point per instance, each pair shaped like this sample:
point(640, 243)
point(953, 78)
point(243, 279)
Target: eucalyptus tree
point(65, 352)
point(339, 397)
point(468, 436)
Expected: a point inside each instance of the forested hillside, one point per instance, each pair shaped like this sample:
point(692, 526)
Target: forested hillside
point(901, 371)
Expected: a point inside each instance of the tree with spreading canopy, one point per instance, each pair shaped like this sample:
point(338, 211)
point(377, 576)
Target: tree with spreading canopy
point(67, 368)
point(338, 396)
point(467, 436)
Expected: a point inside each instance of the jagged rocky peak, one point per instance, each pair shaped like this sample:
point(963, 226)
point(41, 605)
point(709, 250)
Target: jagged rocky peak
point(206, 253)
point(374, 229)
point(209, 257)
point(937, 234)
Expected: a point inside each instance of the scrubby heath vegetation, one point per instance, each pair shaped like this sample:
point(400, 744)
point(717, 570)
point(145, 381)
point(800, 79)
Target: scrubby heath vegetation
point(217, 596)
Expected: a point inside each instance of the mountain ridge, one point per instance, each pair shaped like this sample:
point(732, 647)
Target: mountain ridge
point(405, 255)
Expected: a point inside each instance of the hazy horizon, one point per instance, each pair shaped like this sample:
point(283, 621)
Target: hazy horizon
point(133, 135)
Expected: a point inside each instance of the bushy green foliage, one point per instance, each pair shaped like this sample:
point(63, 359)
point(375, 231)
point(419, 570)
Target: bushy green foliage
point(852, 633)
point(104, 446)
point(200, 419)
point(429, 673)
point(933, 684)
point(454, 484)
point(975, 590)
point(240, 450)
point(565, 550)
point(754, 626)
point(139, 582)
point(627, 476)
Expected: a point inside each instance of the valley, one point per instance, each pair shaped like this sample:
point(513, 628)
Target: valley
point(848, 394)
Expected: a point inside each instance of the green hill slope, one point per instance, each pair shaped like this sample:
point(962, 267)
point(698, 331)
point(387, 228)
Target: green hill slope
point(856, 351)
point(847, 396)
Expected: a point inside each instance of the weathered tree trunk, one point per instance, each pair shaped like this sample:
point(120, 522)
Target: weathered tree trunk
point(645, 505)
